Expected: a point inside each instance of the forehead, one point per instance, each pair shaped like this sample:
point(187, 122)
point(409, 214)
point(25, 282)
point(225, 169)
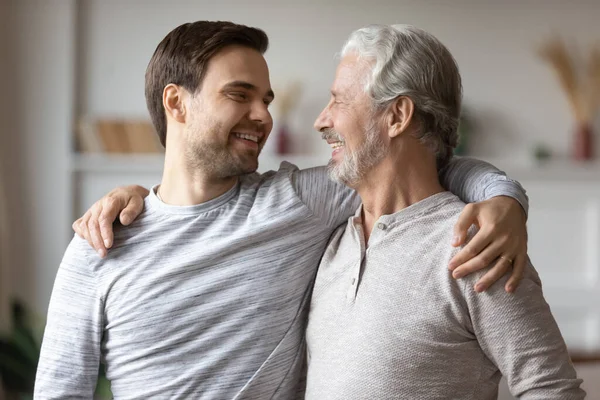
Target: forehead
point(237, 63)
point(351, 74)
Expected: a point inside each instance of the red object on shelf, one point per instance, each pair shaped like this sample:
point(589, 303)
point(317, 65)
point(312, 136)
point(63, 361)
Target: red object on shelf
point(583, 143)
point(283, 140)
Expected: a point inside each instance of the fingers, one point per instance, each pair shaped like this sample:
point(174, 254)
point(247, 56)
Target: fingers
point(82, 229)
point(110, 208)
point(93, 226)
point(466, 218)
point(106, 231)
point(479, 242)
point(77, 227)
point(517, 273)
point(501, 267)
point(133, 209)
point(482, 260)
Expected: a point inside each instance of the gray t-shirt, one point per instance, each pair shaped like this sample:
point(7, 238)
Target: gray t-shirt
point(388, 321)
point(207, 301)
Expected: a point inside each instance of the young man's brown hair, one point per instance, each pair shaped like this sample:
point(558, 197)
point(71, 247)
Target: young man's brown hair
point(181, 59)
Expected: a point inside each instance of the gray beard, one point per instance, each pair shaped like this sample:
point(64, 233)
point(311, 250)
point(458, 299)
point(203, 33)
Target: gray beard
point(354, 166)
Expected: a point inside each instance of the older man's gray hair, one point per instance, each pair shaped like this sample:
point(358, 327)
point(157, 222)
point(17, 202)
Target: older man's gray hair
point(411, 62)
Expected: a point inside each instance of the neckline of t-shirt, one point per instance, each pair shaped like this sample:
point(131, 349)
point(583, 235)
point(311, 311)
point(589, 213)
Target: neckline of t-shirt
point(407, 214)
point(155, 203)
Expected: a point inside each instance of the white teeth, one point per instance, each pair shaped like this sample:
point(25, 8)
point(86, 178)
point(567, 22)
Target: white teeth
point(336, 145)
point(247, 137)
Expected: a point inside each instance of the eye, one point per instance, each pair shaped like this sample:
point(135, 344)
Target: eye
point(239, 96)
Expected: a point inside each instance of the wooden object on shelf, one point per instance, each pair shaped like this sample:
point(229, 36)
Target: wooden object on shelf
point(117, 136)
point(112, 136)
point(87, 138)
point(582, 357)
point(142, 138)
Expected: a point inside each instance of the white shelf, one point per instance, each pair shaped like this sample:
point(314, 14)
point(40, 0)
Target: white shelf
point(559, 169)
point(554, 170)
point(153, 163)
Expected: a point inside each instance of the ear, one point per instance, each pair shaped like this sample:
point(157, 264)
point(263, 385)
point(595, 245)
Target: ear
point(174, 102)
point(401, 114)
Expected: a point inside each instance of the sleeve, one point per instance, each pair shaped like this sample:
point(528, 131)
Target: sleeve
point(70, 353)
point(474, 180)
point(331, 202)
point(519, 335)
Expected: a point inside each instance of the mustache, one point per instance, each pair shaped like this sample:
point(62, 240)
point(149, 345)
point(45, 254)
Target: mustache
point(331, 134)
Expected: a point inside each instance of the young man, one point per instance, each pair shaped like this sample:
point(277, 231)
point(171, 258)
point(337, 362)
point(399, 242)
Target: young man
point(206, 293)
point(386, 320)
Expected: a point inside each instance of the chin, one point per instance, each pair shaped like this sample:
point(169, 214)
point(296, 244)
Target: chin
point(248, 167)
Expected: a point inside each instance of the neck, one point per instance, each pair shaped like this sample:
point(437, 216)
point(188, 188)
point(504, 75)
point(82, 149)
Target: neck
point(406, 176)
point(186, 185)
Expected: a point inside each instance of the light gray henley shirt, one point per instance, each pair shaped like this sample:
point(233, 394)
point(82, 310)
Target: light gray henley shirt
point(388, 321)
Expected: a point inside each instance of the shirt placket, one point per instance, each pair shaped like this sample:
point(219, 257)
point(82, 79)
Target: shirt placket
point(358, 264)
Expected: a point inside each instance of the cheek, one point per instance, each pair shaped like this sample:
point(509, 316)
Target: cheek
point(232, 117)
point(349, 127)
point(268, 128)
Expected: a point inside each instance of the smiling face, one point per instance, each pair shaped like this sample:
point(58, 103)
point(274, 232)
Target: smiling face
point(350, 125)
point(229, 118)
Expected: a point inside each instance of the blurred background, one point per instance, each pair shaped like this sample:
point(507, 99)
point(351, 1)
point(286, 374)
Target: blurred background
point(73, 121)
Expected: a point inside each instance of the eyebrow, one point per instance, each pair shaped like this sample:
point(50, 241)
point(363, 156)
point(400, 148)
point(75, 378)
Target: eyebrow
point(248, 86)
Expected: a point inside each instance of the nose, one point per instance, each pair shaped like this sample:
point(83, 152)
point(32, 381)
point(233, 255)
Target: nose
point(323, 121)
point(259, 112)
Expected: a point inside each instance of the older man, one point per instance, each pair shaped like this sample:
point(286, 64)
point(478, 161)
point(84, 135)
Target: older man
point(206, 293)
point(386, 319)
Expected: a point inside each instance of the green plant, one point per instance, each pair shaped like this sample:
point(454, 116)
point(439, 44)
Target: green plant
point(20, 352)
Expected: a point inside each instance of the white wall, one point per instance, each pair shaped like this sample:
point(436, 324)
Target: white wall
point(515, 95)
point(41, 113)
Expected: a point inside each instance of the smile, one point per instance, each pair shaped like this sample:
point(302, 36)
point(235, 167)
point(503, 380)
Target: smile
point(253, 138)
point(336, 145)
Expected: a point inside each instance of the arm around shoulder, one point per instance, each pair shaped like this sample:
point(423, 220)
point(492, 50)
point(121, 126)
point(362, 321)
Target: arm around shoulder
point(475, 180)
point(331, 202)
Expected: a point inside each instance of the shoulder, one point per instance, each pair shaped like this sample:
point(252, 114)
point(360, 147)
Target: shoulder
point(78, 258)
point(439, 218)
point(286, 172)
point(288, 182)
point(78, 248)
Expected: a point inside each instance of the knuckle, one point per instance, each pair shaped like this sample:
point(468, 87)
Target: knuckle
point(485, 259)
point(91, 229)
point(492, 227)
point(470, 207)
point(470, 252)
point(104, 218)
point(110, 202)
point(95, 208)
